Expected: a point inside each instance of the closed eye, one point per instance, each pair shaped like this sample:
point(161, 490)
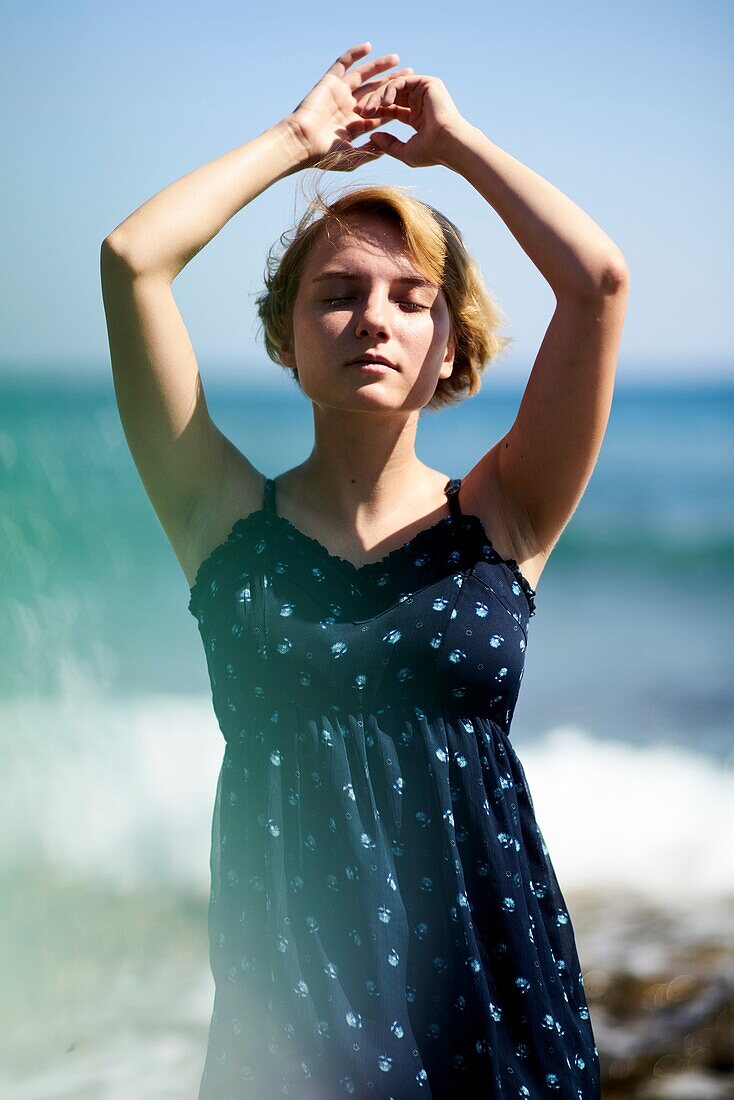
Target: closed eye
point(412, 305)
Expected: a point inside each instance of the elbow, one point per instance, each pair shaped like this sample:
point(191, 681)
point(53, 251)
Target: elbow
point(615, 275)
point(112, 249)
point(608, 278)
point(118, 254)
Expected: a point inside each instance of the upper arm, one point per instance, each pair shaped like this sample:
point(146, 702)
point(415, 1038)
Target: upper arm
point(546, 459)
point(180, 454)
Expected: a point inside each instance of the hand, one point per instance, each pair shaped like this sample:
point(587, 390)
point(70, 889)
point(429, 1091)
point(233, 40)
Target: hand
point(327, 121)
point(425, 104)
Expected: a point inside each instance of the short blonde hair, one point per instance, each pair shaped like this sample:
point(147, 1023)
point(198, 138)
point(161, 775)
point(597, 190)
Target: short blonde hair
point(437, 248)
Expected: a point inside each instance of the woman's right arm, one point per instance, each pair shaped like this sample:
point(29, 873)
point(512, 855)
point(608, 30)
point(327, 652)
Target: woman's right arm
point(185, 463)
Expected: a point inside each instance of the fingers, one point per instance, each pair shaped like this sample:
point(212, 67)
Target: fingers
point(389, 144)
point(387, 94)
point(367, 89)
point(389, 114)
point(362, 72)
point(371, 68)
point(348, 58)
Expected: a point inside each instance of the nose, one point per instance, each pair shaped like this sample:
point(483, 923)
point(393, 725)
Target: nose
point(372, 318)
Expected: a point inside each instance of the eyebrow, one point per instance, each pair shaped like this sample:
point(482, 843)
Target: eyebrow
point(412, 280)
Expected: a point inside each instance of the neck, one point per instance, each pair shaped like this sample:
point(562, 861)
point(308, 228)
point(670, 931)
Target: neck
point(362, 464)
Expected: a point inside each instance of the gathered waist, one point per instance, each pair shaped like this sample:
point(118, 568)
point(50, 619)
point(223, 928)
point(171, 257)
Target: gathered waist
point(393, 717)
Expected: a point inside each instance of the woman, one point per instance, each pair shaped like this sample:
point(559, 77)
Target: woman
point(385, 920)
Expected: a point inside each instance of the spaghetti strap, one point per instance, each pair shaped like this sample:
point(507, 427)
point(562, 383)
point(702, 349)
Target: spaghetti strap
point(452, 492)
point(269, 497)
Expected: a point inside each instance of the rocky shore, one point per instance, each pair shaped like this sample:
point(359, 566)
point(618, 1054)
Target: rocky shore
point(660, 987)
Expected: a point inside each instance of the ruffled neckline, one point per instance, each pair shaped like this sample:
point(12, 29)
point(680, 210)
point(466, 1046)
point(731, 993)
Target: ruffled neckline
point(355, 572)
point(366, 567)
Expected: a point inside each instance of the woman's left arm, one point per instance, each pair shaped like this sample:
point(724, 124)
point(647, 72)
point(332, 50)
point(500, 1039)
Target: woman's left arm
point(546, 459)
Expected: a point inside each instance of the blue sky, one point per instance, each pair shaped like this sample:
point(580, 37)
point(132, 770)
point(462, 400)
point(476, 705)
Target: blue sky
point(627, 108)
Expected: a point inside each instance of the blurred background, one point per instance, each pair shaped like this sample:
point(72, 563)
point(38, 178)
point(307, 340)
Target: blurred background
point(109, 747)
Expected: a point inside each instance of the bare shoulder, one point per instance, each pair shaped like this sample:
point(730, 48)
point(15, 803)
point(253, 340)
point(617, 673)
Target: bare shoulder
point(239, 492)
point(507, 526)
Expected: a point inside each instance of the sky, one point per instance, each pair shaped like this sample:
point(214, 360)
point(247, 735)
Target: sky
point(626, 107)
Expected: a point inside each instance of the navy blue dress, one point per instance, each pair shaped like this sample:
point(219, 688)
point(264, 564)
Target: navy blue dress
point(384, 918)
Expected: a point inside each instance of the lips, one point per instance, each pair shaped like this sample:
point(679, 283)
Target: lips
point(367, 358)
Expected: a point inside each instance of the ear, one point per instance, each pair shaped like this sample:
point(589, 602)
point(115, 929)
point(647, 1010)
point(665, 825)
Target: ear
point(447, 367)
point(287, 357)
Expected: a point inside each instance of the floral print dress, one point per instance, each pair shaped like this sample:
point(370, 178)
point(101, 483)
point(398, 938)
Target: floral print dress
point(384, 918)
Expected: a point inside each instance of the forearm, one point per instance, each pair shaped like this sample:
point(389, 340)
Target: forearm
point(569, 249)
point(168, 230)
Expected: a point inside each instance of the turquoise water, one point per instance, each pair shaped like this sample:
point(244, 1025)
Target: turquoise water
point(92, 588)
point(110, 750)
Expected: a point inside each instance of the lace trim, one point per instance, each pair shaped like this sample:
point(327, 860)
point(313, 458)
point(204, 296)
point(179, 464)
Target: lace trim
point(220, 552)
point(357, 570)
point(521, 579)
point(208, 567)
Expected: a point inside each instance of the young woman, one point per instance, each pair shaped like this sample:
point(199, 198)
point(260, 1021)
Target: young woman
point(385, 920)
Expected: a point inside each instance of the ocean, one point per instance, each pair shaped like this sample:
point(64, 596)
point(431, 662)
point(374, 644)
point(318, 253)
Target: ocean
point(110, 750)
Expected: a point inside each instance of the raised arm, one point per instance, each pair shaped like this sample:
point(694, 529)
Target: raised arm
point(182, 458)
point(190, 471)
point(536, 474)
point(544, 462)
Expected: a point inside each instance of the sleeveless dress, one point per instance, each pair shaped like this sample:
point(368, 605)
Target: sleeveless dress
point(384, 918)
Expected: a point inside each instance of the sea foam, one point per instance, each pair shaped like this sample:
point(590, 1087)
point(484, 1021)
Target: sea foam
point(123, 788)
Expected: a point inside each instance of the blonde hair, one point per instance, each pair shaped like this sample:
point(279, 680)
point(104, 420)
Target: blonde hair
point(438, 250)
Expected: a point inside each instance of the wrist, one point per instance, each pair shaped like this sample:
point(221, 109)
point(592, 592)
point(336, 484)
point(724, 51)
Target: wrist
point(454, 141)
point(298, 141)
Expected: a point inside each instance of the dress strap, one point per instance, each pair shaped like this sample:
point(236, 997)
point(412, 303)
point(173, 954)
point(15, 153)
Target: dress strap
point(269, 497)
point(452, 492)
